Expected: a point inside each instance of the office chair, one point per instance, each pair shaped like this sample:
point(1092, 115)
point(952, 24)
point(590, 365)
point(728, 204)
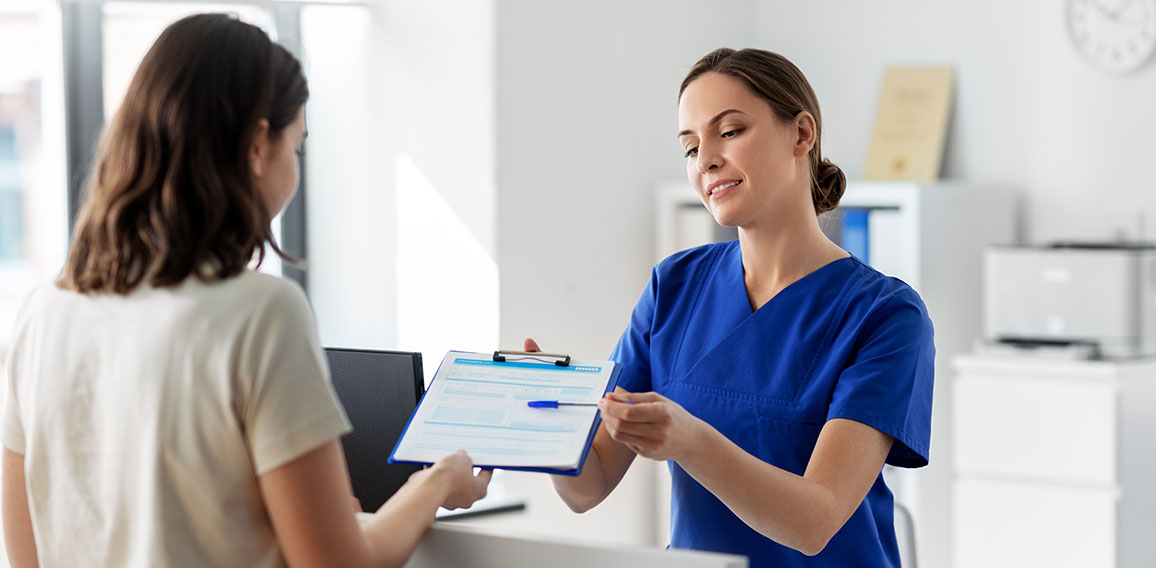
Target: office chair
point(905, 534)
point(379, 390)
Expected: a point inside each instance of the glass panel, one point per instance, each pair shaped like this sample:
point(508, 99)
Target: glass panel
point(130, 28)
point(351, 231)
point(11, 200)
point(33, 213)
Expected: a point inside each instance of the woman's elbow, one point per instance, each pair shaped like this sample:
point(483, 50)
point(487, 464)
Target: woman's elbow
point(814, 546)
point(579, 497)
point(579, 503)
point(813, 539)
point(578, 507)
point(814, 531)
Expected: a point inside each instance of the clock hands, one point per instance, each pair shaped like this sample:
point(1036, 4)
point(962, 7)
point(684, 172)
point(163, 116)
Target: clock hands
point(1102, 9)
point(1115, 14)
point(1111, 14)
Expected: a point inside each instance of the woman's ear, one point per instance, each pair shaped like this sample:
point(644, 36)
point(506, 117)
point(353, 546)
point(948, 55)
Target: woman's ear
point(804, 133)
point(259, 152)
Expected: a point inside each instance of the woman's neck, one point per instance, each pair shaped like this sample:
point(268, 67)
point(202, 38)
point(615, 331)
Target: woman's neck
point(776, 254)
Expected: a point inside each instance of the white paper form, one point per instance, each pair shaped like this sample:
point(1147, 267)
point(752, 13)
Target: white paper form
point(479, 405)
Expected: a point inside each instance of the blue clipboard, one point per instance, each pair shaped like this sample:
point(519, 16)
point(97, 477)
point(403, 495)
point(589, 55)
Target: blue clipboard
point(516, 359)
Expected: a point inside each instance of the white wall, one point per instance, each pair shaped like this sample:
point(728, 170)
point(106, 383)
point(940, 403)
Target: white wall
point(1029, 111)
point(438, 80)
point(401, 174)
point(1094, 140)
point(350, 252)
point(438, 75)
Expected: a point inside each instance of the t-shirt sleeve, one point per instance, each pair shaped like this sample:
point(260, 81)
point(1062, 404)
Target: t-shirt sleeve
point(290, 406)
point(12, 429)
point(633, 349)
point(12, 426)
point(888, 382)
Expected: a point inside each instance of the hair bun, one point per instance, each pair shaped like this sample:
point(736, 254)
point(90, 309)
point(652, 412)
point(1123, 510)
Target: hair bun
point(828, 187)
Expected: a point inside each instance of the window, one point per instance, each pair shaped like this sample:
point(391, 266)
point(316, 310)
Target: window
point(33, 214)
point(130, 28)
point(11, 199)
point(378, 258)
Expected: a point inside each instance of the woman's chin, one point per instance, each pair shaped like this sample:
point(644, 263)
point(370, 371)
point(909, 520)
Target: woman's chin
point(725, 220)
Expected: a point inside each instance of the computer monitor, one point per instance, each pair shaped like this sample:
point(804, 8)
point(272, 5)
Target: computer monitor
point(379, 390)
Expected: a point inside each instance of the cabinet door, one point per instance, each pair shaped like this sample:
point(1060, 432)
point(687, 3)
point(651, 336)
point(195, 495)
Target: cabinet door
point(1037, 428)
point(1016, 525)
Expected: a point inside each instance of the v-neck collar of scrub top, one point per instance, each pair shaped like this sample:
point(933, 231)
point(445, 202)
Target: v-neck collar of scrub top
point(734, 266)
point(727, 314)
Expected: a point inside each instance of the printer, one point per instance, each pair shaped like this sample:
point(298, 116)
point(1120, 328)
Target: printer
point(1098, 295)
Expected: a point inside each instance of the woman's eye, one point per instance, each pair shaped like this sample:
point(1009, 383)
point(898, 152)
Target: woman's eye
point(691, 152)
point(732, 133)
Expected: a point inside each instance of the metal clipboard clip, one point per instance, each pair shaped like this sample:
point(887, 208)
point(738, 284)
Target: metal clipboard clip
point(512, 356)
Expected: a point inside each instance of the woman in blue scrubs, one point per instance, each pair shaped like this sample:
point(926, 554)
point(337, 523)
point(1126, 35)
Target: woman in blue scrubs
point(776, 374)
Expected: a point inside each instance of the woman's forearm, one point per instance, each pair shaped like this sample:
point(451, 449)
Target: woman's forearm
point(784, 507)
point(397, 527)
point(585, 491)
point(606, 464)
point(17, 519)
point(308, 502)
point(801, 512)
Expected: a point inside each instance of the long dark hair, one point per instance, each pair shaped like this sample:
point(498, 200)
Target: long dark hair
point(171, 195)
point(777, 80)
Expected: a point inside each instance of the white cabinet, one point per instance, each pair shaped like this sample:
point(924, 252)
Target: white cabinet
point(1055, 462)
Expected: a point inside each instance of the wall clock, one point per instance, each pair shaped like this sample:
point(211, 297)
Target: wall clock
point(1115, 35)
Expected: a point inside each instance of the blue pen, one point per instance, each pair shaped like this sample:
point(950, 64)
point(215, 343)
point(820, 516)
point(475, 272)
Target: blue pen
point(556, 404)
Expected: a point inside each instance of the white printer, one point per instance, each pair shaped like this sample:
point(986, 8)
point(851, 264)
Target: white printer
point(1101, 295)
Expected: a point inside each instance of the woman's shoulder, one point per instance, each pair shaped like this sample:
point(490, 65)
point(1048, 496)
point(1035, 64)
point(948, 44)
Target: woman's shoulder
point(261, 284)
point(703, 256)
point(248, 287)
point(250, 294)
point(875, 292)
point(45, 296)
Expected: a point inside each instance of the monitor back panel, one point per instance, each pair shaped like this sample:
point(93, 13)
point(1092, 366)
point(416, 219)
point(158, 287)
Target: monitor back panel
point(379, 390)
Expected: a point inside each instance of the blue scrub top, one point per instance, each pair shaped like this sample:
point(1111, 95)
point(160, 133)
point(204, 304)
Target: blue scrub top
point(842, 342)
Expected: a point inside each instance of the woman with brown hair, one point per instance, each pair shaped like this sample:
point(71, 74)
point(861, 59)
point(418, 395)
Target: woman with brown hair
point(168, 406)
point(776, 374)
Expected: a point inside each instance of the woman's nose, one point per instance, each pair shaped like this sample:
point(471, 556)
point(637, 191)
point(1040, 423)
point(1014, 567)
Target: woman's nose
point(708, 159)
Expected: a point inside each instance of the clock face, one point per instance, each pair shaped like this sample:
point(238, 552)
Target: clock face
point(1115, 35)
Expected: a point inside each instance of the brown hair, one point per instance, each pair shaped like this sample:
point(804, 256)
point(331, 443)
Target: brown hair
point(171, 195)
point(777, 80)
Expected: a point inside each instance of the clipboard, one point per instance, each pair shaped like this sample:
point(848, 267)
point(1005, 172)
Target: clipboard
point(479, 402)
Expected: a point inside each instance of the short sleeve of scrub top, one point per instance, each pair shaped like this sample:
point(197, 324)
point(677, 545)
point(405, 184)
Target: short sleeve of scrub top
point(881, 385)
point(842, 342)
point(635, 342)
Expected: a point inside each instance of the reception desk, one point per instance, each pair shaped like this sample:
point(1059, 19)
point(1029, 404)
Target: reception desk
point(449, 545)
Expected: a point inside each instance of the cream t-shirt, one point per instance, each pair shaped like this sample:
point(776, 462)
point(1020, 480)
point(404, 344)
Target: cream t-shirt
point(146, 419)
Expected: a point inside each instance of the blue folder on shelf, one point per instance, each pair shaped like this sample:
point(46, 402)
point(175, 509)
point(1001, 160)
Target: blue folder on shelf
point(479, 403)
